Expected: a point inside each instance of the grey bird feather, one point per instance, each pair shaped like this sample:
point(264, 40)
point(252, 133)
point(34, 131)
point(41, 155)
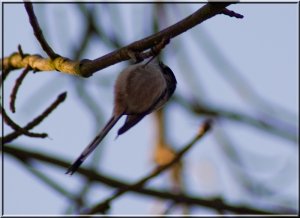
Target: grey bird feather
point(139, 90)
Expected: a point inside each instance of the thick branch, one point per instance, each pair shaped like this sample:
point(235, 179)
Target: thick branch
point(207, 11)
point(103, 206)
point(23, 154)
point(38, 63)
point(86, 68)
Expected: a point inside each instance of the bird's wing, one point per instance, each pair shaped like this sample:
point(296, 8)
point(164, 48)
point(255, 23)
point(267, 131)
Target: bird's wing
point(144, 90)
point(131, 120)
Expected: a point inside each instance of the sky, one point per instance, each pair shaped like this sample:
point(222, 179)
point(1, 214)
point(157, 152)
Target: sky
point(262, 48)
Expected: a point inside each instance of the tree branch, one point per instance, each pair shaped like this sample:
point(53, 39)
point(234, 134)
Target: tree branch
point(16, 88)
point(37, 120)
point(38, 31)
point(281, 129)
point(207, 11)
point(19, 130)
point(38, 63)
point(21, 154)
point(103, 206)
point(86, 68)
point(232, 13)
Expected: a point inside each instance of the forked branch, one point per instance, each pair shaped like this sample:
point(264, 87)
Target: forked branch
point(86, 68)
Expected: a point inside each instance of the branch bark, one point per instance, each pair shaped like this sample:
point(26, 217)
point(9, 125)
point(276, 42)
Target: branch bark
point(214, 203)
point(103, 206)
point(86, 68)
point(272, 126)
point(38, 31)
point(18, 83)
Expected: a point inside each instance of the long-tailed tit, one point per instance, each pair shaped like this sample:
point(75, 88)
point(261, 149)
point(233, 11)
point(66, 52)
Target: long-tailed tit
point(139, 90)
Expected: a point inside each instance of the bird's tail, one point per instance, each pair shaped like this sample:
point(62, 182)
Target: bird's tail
point(92, 145)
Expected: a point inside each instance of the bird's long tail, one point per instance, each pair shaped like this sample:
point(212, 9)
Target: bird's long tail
point(93, 145)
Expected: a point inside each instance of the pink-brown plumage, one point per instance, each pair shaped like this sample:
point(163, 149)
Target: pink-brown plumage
point(139, 90)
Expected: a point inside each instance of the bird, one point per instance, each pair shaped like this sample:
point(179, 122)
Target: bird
point(139, 90)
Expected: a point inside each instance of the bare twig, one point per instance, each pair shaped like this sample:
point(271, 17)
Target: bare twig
point(16, 88)
point(275, 127)
point(234, 77)
point(86, 68)
point(260, 123)
point(170, 206)
point(207, 11)
point(232, 13)
point(53, 184)
point(38, 31)
point(90, 29)
point(20, 50)
point(19, 130)
point(21, 153)
point(103, 206)
point(93, 28)
point(37, 120)
point(85, 98)
point(250, 183)
point(152, 52)
point(48, 180)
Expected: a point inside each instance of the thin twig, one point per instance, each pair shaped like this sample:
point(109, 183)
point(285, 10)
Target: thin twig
point(17, 128)
point(103, 206)
point(86, 99)
point(86, 68)
point(21, 153)
point(38, 31)
point(281, 129)
point(171, 206)
point(93, 28)
point(250, 183)
point(232, 13)
point(18, 83)
point(138, 57)
point(278, 130)
point(20, 50)
point(207, 11)
point(48, 180)
point(234, 77)
point(155, 50)
point(28, 165)
point(37, 120)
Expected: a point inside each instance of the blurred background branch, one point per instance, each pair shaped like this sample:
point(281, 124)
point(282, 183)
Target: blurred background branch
point(26, 156)
point(86, 68)
point(102, 28)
